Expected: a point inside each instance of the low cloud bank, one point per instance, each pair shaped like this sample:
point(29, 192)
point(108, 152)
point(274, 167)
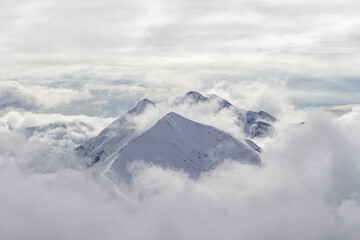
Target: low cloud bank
point(307, 188)
point(36, 98)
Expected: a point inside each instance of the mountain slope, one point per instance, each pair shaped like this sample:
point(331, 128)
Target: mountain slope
point(179, 143)
point(113, 137)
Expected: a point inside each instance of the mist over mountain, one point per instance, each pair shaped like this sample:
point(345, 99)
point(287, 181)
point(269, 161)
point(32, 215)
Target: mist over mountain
point(174, 141)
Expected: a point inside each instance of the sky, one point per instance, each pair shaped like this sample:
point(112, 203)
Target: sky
point(70, 68)
point(110, 54)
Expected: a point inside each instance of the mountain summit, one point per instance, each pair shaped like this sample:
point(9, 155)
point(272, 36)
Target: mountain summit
point(193, 97)
point(254, 124)
point(141, 106)
point(178, 143)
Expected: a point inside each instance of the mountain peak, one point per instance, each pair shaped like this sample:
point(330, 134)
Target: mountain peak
point(176, 142)
point(196, 96)
point(190, 97)
point(173, 120)
point(141, 106)
point(173, 115)
point(266, 116)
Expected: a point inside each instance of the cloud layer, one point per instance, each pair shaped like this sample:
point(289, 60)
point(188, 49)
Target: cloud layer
point(296, 36)
point(308, 187)
point(35, 97)
point(168, 46)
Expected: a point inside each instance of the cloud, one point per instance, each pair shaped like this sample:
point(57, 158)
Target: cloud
point(308, 184)
point(344, 107)
point(158, 45)
point(35, 97)
point(54, 130)
point(121, 87)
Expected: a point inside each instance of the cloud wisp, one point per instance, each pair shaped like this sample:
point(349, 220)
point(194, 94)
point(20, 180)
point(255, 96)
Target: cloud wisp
point(36, 98)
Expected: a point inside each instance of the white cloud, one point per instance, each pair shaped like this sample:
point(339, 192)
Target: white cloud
point(59, 131)
point(308, 184)
point(36, 97)
point(179, 45)
point(344, 107)
point(121, 87)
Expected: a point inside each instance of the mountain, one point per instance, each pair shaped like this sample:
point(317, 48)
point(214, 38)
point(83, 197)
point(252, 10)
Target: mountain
point(174, 141)
point(178, 143)
point(193, 97)
point(115, 136)
point(141, 106)
point(254, 124)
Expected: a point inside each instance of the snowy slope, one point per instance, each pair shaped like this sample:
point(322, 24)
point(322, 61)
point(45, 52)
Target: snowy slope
point(113, 137)
point(256, 124)
point(179, 143)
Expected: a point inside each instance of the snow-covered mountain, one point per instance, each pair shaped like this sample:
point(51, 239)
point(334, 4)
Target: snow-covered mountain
point(254, 124)
point(179, 143)
point(193, 97)
point(174, 141)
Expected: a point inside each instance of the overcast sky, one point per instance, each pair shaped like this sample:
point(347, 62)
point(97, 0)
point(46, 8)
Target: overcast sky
point(131, 49)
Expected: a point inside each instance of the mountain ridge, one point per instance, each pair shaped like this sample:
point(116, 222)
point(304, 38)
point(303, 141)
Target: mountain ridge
point(179, 143)
point(174, 141)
